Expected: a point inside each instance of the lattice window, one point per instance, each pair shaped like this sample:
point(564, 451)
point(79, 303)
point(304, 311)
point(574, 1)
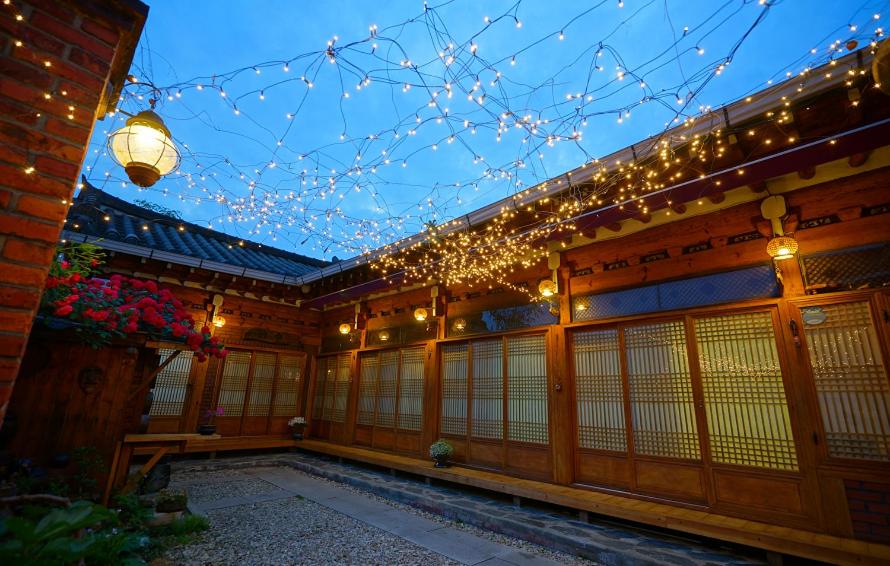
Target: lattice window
point(661, 391)
point(171, 384)
point(599, 391)
point(320, 381)
point(851, 380)
point(260, 398)
point(367, 389)
point(233, 384)
point(411, 389)
point(386, 389)
point(748, 422)
point(488, 389)
point(527, 389)
point(340, 388)
point(326, 385)
point(454, 389)
point(288, 387)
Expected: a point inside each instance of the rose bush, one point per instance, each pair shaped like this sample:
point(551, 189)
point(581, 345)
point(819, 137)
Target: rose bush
point(118, 306)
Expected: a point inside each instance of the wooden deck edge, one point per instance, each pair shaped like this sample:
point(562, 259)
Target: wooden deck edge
point(230, 443)
point(786, 540)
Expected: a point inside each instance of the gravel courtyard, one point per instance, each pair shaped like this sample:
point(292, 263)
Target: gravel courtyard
point(257, 521)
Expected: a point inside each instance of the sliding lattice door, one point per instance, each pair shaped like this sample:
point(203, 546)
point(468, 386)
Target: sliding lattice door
point(333, 379)
point(258, 392)
point(494, 404)
point(390, 403)
point(693, 408)
point(170, 394)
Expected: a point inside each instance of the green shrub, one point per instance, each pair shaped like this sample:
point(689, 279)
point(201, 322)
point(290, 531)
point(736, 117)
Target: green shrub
point(441, 448)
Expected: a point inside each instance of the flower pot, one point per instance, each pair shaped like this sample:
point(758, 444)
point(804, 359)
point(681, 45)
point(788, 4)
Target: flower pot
point(206, 429)
point(441, 461)
point(161, 518)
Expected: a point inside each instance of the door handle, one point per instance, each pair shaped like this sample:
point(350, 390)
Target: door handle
point(795, 333)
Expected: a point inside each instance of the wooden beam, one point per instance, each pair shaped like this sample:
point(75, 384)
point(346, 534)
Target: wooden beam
point(143, 385)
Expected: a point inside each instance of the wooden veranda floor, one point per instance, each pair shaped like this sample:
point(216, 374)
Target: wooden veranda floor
point(760, 535)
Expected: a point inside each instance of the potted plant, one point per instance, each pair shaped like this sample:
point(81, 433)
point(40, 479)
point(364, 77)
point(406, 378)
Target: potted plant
point(297, 424)
point(209, 428)
point(169, 506)
point(440, 451)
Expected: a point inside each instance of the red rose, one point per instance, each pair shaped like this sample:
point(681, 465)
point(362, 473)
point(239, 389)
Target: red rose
point(63, 311)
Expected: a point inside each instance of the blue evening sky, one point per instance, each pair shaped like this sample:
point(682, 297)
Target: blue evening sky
point(313, 171)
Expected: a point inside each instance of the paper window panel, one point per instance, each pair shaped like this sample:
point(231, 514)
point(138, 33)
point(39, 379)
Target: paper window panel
point(233, 384)
point(745, 405)
point(386, 388)
point(171, 384)
point(260, 398)
point(663, 411)
point(488, 389)
point(851, 382)
point(367, 392)
point(287, 389)
point(340, 388)
point(599, 391)
point(411, 389)
point(330, 378)
point(454, 389)
point(320, 379)
point(527, 389)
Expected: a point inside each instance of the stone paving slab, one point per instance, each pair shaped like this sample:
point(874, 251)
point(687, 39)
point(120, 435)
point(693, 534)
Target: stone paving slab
point(455, 544)
point(605, 543)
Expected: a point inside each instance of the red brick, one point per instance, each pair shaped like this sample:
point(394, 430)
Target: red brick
point(882, 508)
point(49, 166)
point(79, 97)
point(106, 34)
point(16, 321)
point(864, 495)
point(20, 139)
point(17, 91)
point(46, 208)
point(870, 518)
point(60, 68)
point(90, 62)
point(9, 368)
point(13, 154)
point(68, 131)
point(881, 533)
point(18, 296)
point(5, 196)
point(5, 396)
point(29, 252)
point(22, 227)
point(56, 9)
point(33, 38)
point(17, 112)
point(16, 178)
point(70, 35)
point(23, 275)
point(12, 346)
point(27, 74)
point(856, 505)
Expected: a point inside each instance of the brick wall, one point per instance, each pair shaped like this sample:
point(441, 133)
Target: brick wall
point(60, 64)
point(869, 504)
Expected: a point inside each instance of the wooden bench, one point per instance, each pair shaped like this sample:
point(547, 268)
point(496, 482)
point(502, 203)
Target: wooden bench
point(155, 444)
point(771, 538)
point(158, 445)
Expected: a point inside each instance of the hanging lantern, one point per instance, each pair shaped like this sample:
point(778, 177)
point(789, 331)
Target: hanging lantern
point(460, 325)
point(420, 314)
point(144, 149)
point(345, 328)
point(547, 287)
point(782, 247)
point(384, 336)
point(219, 321)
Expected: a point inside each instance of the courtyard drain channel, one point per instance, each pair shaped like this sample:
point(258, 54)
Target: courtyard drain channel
point(603, 543)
